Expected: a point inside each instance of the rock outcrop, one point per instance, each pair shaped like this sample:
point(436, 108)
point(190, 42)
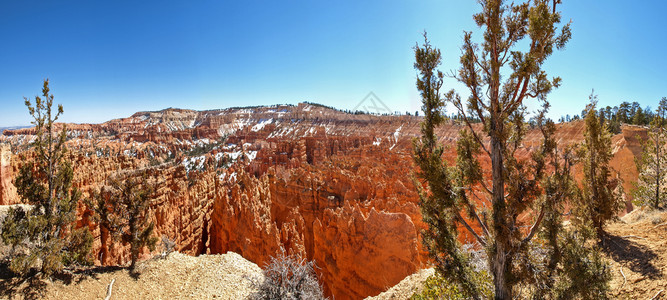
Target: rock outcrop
point(7, 189)
point(363, 255)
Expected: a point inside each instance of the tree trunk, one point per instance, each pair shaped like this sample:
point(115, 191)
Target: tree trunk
point(500, 258)
point(502, 289)
point(104, 238)
point(657, 171)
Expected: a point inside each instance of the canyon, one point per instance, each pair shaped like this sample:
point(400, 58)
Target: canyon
point(332, 186)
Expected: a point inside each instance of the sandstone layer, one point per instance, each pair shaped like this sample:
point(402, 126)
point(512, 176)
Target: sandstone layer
point(7, 189)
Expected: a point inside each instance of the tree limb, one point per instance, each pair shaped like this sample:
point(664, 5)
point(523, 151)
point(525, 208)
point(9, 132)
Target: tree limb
point(480, 239)
point(472, 130)
point(534, 228)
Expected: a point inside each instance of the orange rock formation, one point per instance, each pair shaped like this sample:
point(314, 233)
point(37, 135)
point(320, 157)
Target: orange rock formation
point(7, 189)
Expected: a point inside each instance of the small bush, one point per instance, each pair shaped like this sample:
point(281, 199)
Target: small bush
point(168, 246)
point(288, 277)
point(438, 287)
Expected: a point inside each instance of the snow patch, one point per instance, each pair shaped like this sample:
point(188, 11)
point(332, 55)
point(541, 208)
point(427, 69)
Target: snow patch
point(194, 163)
point(259, 126)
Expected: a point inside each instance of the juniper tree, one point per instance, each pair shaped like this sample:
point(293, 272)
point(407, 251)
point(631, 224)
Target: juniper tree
point(498, 102)
point(102, 213)
point(122, 209)
point(47, 230)
point(652, 164)
point(599, 201)
point(567, 268)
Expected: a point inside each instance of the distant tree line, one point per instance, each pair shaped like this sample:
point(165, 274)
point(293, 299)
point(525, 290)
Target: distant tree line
point(625, 113)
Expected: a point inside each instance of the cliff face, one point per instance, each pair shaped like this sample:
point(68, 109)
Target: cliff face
point(333, 187)
point(7, 189)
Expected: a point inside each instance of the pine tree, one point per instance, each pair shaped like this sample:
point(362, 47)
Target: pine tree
point(122, 209)
point(598, 202)
point(652, 164)
point(497, 101)
point(46, 231)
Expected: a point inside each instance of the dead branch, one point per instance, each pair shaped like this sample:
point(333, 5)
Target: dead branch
point(624, 278)
point(633, 236)
point(656, 226)
point(109, 289)
point(658, 294)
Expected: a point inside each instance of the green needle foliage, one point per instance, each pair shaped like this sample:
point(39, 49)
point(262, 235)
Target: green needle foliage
point(652, 164)
point(46, 232)
point(523, 260)
point(599, 202)
point(122, 209)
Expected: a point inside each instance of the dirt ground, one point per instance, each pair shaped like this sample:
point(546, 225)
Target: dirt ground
point(178, 276)
point(638, 248)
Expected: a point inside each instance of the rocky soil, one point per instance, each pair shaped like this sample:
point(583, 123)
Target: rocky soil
point(407, 287)
point(637, 249)
point(178, 276)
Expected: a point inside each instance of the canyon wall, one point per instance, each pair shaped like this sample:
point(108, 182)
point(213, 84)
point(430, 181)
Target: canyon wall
point(330, 186)
point(7, 189)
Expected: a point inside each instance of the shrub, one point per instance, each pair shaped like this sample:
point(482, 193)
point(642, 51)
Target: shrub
point(288, 277)
point(437, 287)
point(167, 246)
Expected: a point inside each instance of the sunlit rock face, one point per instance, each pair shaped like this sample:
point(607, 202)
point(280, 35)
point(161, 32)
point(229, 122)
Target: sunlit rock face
point(334, 187)
point(7, 189)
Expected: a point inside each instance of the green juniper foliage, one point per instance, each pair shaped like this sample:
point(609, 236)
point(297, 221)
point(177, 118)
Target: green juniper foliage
point(569, 265)
point(598, 201)
point(652, 164)
point(46, 232)
point(489, 208)
point(122, 209)
point(102, 212)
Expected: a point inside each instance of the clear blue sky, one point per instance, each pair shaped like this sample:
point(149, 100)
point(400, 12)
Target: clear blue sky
point(109, 59)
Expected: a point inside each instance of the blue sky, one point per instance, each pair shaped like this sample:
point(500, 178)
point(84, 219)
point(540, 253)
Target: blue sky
point(109, 59)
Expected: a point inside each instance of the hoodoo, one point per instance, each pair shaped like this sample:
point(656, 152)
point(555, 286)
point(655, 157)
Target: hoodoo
point(7, 189)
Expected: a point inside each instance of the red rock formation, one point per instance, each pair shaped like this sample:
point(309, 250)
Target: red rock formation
point(361, 255)
point(7, 189)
